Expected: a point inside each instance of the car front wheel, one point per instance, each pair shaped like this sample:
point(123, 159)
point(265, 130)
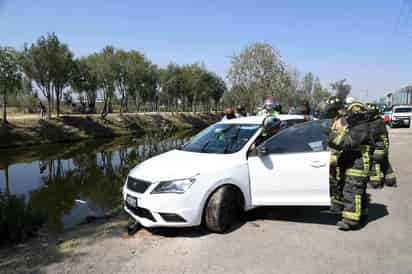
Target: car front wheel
point(222, 209)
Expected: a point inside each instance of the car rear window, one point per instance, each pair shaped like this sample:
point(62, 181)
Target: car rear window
point(402, 110)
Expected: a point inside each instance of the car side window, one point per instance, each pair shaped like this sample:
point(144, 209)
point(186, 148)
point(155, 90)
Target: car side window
point(307, 137)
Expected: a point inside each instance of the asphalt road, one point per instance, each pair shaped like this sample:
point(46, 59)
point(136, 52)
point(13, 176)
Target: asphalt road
point(272, 240)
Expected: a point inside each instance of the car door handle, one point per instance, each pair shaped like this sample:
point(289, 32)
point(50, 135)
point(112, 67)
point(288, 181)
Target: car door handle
point(317, 164)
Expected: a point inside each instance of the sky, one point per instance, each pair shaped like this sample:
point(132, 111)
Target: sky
point(368, 42)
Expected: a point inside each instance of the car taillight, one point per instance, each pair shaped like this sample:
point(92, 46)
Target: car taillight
point(386, 118)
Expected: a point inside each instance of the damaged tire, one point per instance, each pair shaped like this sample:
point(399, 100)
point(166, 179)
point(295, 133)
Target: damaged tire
point(223, 208)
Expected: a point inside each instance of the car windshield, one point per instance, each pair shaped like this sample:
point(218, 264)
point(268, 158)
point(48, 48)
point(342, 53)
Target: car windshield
point(402, 110)
point(221, 138)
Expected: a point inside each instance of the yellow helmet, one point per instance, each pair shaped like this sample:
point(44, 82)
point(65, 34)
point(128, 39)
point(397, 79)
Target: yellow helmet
point(356, 107)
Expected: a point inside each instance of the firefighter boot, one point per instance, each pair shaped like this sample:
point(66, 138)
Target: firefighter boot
point(346, 224)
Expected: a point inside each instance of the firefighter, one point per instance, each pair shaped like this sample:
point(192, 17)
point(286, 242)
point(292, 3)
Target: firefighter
point(271, 108)
point(333, 108)
point(354, 142)
point(270, 126)
point(349, 141)
point(381, 169)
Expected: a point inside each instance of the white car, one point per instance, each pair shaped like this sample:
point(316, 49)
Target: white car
point(401, 116)
point(217, 175)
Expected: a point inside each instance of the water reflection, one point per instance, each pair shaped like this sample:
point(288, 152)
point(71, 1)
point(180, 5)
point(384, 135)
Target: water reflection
point(71, 182)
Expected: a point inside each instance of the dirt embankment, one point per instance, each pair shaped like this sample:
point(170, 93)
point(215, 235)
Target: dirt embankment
point(69, 128)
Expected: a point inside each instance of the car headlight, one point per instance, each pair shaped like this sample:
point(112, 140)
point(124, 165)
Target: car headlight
point(174, 186)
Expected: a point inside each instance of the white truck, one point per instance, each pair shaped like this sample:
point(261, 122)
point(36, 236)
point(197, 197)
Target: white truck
point(401, 116)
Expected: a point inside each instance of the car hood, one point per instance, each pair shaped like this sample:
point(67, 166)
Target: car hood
point(177, 164)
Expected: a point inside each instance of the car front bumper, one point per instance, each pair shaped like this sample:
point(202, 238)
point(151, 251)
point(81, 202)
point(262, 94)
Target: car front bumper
point(401, 121)
point(162, 210)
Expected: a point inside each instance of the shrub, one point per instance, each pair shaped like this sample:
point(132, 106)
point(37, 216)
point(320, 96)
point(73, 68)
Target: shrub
point(18, 221)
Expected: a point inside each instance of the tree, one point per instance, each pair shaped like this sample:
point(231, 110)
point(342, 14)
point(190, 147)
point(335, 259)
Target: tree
point(149, 90)
point(193, 85)
point(238, 95)
point(218, 88)
point(10, 75)
point(137, 78)
point(62, 68)
point(85, 81)
point(104, 68)
point(171, 80)
point(190, 86)
point(319, 93)
point(341, 89)
point(259, 72)
point(308, 84)
point(49, 63)
point(122, 66)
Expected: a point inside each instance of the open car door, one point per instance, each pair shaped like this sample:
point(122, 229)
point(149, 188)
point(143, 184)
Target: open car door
point(292, 167)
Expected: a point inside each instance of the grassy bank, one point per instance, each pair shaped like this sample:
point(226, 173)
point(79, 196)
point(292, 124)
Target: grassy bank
point(28, 131)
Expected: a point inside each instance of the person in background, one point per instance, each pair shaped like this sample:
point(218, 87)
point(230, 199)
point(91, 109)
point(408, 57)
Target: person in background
point(303, 109)
point(42, 109)
point(271, 108)
point(240, 111)
point(228, 114)
point(381, 169)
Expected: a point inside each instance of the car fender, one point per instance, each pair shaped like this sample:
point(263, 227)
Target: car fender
point(237, 176)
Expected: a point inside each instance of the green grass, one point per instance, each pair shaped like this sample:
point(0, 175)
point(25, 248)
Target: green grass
point(68, 128)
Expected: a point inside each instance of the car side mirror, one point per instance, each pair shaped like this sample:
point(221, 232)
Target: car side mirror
point(261, 151)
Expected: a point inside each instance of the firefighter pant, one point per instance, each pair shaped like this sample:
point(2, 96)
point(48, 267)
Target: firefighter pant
point(355, 198)
point(376, 176)
point(335, 182)
point(388, 173)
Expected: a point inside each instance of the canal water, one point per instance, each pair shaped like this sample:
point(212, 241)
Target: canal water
point(70, 183)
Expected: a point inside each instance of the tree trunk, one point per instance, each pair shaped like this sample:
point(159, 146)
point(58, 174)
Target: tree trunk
point(4, 108)
point(51, 107)
point(126, 99)
point(136, 105)
point(104, 110)
point(121, 105)
point(49, 103)
point(91, 102)
point(157, 104)
point(92, 107)
point(58, 103)
point(110, 106)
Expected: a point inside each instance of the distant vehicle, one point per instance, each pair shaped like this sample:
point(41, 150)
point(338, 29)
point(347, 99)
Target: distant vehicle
point(386, 114)
point(401, 116)
point(217, 175)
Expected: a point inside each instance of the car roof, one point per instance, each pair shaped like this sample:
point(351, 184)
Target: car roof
point(402, 106)
point(257, 120)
